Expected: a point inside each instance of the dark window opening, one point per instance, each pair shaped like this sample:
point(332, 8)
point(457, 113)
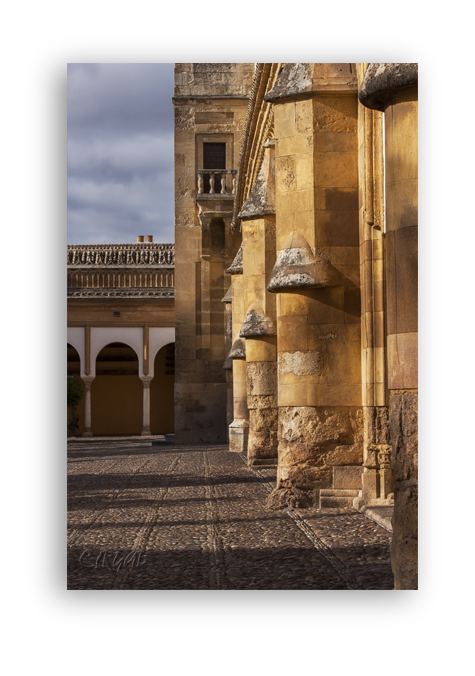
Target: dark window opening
point(214, 157)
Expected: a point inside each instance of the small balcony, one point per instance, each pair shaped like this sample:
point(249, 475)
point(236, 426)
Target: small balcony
point(216, 183)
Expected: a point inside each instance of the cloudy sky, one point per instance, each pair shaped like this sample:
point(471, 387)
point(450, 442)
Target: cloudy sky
point(120, 152)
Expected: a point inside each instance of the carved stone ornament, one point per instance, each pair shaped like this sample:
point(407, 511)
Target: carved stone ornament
point(148, 254)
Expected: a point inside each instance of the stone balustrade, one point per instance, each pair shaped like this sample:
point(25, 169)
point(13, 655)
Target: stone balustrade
point(212, 175)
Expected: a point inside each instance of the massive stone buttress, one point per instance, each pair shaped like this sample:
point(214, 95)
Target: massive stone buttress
point(316, 280)
point(239, 428)
point(259, 326)
point(392, 88)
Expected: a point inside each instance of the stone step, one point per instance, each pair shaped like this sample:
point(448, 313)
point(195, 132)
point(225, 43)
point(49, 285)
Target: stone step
point(339, 492)
point(327, 502)
point(263, 462)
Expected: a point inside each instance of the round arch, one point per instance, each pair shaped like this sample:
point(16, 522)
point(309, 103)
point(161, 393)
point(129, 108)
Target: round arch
point(74, 369)
point(116, 391)
point(102, 336)
point(159, 337)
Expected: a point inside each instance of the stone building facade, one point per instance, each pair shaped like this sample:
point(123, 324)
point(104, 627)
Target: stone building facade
point(121, 336)
point(307, 346)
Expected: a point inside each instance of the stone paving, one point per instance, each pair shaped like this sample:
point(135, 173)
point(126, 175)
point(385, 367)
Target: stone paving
point(193, 517)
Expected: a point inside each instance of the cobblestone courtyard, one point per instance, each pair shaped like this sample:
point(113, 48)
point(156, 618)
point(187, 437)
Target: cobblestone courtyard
point(141, 516)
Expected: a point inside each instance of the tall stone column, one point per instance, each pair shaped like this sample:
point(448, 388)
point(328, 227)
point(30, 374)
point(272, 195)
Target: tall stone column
point(257, 217)
point(87, 380)
point(239, 428)
point(146, 406)
point(392, 89)
point(316, 279)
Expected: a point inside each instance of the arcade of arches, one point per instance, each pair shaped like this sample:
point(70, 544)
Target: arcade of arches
point(121, 339)
point(117, 401)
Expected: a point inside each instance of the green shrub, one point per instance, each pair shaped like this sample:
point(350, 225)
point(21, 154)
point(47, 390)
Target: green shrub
point(75, 394)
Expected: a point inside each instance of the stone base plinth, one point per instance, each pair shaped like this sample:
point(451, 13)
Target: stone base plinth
point(239, 436)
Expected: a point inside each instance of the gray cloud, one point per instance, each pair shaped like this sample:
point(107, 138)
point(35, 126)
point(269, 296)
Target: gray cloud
point(120, 152)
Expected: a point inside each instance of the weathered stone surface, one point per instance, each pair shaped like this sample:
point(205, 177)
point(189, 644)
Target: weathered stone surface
point(303, 363)
point(238, 435)
point(238, 350)
point(403, 423)
point(345, 455)
point(236, 266)
point(256, 323)
point(383, 80)
point(347, 477)
point(294, 79)
point(263, 411)
point(321, 425)
point(403, 426)
point(261, 200)
point(263, 440)
point(297, 267)
point(308, 440)
point(299, 486)
point(376, 425)
point(294, 267)
point(228, 298)
point(404, 547)
point(261, 378)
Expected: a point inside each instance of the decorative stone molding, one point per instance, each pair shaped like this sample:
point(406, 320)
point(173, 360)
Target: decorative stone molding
point(383, 80)
point(257, 323)
point(298, 267)
point(259, 127)
point(236, 266)
point(121, 255)
point(238, 350)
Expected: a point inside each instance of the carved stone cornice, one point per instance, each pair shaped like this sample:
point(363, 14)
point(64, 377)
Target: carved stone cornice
point(158, 292)
point(143, 255)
